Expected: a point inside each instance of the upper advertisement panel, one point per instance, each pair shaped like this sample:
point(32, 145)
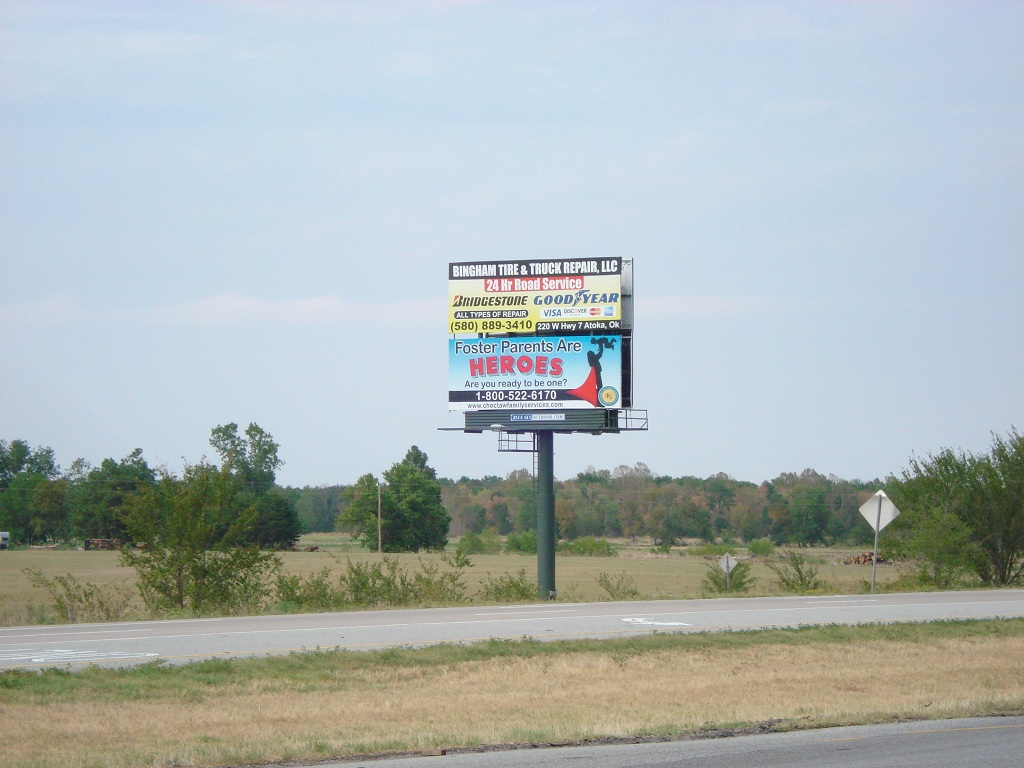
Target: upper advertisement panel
point(551, 296)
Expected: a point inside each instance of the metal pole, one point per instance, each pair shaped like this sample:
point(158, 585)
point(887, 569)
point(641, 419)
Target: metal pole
point(380, 546)
point(546, 515)
point(874, 559)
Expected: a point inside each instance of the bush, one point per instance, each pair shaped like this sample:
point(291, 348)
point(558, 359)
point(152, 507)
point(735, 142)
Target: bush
point(796, 574)
point(471, 543)
point(760, 548)
point(486, 543)
point(587, 546)
point(716, 582)
point(75, 602)
point(312, 593)
point(942, 549)
point(188, 558)
point(621, 587)
point(524, 543)
point(436, 586)
point(381, 583)
point(508, 589)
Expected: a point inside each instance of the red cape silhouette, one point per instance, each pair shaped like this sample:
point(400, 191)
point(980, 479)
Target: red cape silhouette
point(588, 389)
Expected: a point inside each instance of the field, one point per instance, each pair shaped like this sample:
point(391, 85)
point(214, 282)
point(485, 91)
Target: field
point(339, 704)
point(654, 575)
point(323, 705)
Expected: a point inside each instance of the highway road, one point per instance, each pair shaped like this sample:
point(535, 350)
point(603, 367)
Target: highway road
point(121, 644)
point(989, 742)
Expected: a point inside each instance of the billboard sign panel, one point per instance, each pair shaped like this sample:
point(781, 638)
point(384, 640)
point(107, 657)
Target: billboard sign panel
point(534, 372)
point(551, 296)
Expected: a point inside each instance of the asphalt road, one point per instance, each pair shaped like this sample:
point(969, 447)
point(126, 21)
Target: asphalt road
point(989, 742)
point(188, 640)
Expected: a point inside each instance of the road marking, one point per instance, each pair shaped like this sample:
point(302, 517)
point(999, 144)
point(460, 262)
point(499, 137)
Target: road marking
point(547, 612)
point(76, 634)
point(57, 656)
point(649, 623)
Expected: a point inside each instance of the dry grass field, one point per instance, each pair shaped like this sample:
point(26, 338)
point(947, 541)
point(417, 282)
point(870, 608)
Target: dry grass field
point(336, 704)
point(655, 576)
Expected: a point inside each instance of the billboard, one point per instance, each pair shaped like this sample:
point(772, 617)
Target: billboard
point(535, 372)
point(535, 297)
point(543, 335)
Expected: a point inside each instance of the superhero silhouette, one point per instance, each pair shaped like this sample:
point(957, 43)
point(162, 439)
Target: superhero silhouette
point(588, 389)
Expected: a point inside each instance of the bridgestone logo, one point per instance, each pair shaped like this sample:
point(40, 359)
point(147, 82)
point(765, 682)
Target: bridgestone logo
point(489, 301)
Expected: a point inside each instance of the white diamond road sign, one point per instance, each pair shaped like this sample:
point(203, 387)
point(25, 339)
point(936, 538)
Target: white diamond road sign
point(879, 511)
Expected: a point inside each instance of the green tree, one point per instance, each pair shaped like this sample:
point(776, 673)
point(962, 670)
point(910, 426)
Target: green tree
point(277, 524)
point(191, 555)
point(942, 547)
point(318, 507)
point(808, 515)
point(359, 514)
point(34, 508)
point(100, 495)
point(25, 516)
point(412, 515)
point(250, 463)
point(984, 492)
point(17, 458)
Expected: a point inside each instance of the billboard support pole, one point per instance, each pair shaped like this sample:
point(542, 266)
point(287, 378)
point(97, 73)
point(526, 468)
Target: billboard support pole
point(546, 514)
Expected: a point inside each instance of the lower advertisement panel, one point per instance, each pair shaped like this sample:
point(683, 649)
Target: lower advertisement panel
point(535, 373)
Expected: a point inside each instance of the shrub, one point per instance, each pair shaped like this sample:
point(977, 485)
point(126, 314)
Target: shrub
point(75, 602)
point(621, 587)
point(524, 543)
point(716, 582)
point(486, 543)
point(587, 546)
point(471, 543)
point(188, 557)
point(760, 548)
point(491, 542)
point(432, 585)
point(312, 593)
point(508, 589)
point(382, 583)
point(796, 574)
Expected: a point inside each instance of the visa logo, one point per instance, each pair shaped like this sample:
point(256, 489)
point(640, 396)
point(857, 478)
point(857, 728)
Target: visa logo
point(551, 313)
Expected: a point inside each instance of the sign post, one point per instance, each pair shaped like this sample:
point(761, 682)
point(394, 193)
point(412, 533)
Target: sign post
point(879, 512)
point(727, 564)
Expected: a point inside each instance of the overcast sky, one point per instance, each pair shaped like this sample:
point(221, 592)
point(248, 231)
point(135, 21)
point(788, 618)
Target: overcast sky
point(244, 211)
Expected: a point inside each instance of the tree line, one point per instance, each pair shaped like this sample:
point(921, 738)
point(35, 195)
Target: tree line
point(963, 513)
point(805, 508)
point(119, 498)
